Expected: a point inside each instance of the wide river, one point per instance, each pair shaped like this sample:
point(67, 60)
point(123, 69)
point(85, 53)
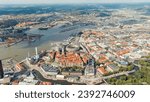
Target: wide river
point(20, 51)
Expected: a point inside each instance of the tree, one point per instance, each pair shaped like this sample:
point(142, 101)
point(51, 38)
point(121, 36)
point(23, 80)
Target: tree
point(129, 68)
point(123, 78)
point(119, 82)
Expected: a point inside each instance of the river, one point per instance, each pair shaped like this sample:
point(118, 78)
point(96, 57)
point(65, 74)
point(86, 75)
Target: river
point(20, 51)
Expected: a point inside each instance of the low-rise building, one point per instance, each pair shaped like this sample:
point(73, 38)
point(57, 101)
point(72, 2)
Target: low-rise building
point(69, 59)
point(60, 77)
point(49, 70)
point(29, 80)
point(79, 73)
point(19, 67)
point(65, 73)
point(112, 68)
point(102, 71)
point(45, 83)
point(73, 78)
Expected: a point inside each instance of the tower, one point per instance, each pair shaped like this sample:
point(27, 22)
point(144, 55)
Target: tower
point(28, 54)
point(1, 70)
point(36, 54)
point(36, 51)
point(90, 67)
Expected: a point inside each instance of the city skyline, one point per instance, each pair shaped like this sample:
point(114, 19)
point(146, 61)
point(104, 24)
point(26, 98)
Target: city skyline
point(74, 44)
point(67, 1)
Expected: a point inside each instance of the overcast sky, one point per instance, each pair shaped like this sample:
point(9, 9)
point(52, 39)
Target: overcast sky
point(66, 1)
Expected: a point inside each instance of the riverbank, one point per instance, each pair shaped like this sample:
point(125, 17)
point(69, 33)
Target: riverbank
point(20, 50)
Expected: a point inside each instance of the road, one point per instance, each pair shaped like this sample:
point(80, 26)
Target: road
point(118, 74)
point(84, 79)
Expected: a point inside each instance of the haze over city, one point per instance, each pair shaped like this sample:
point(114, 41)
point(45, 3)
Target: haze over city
point(74, 42)
point(67, 1)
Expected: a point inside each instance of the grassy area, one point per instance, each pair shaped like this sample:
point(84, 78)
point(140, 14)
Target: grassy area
point(127, 68)
point(140, 77)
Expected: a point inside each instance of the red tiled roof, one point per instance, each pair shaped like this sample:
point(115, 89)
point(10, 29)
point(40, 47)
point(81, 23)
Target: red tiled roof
point(45, 83)
point(102, 70)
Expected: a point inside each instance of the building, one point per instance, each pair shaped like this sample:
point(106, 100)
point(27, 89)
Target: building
point(60, 77)
point(73, 78)
point(45, 83)
point(1, 70)
point(69, 59)
point(29, 80)
point(123, 63)
point(15, 82)
point(102, 71)
point(112, 68)
point(34, 59)
point(49, 70)
point(5, 80)
point(19, 67)
point(90, 68)
point(1, 40)
point(76, 73)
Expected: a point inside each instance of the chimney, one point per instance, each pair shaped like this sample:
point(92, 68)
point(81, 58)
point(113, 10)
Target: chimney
point(1, 70)
point(36, 52)
point(28, 54)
